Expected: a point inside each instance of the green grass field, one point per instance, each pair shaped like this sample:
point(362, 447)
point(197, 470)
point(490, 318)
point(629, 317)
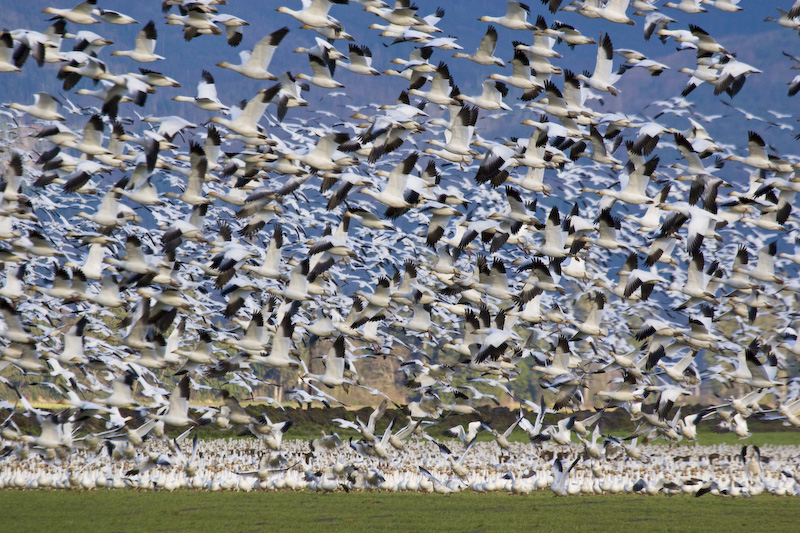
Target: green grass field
point(305, 511)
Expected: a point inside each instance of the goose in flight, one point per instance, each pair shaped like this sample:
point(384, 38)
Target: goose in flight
point(360, 61)
point(603, 78)
point(335, 362)
point(612, 11)
point(113, 17)
point(314, 13)
point(144, 46)
point(246, 122)
point(484, 55)
point(466, 435)
point(44, 107)
point(7, 62)
point(321, 75)
point(80, 14)
point(367, 430)
point(195, 22)
point(441, 87)
point(206, 98)
point(255, 63)
point(516, 17)
point(177, 411)
point(561, 477)
point(491, 96)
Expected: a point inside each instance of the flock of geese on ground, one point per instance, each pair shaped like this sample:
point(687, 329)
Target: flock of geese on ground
point(602, 259)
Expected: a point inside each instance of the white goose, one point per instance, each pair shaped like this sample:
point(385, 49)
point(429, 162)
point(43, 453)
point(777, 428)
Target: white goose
point(603, 78)
point(145, 46)
point(516, 17)
point(255, 63)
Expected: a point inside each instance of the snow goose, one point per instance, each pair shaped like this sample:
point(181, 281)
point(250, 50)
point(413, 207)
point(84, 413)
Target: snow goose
point(297, 288)
point(177, 411)
point(394, 195)
point(144, 46)
point(280, 354)
point(520, 75)
point(190, 229)
point(466, 435)
point(634, 190)
point(484, 55)
point(687, 6)
point(206, 98)
point(491, 97)
point(706, 43)
point(787, 19)
point(561, 477)
point(757, 155)
point(367, 430)
point(246, 123)
point(457, 466)
point(195, 22)
point(702, 224)
point(321, 75)
point(441, 88)
point(255, 63)
point(765, 267)
point(612, 11)
point(403, 14)
point(458, 137)
point(270, 266)
point(320, 158)
point(198, 166)
point(44, 107)
point(290, 94)
point(80, 14)
point(139, 188)
point(113, 17)
point(554, 244)
point(335, 362)
point(502, 438)
point(603, 78)
point(233, 27)
point(155, 79)
point(568, 34)
point(7, 63)
point(516, 17)
point(314, 13)
point(110, 213)
point(322, 49)
point(360, 61)
point(543, 41)
point(732, 76)
point(696, 282)
point(92, 140)
point(122, 392)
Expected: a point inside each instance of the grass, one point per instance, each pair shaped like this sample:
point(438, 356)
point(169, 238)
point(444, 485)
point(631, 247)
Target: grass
point(304, 511)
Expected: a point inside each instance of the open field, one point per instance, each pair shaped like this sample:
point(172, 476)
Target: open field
point(199, 511)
